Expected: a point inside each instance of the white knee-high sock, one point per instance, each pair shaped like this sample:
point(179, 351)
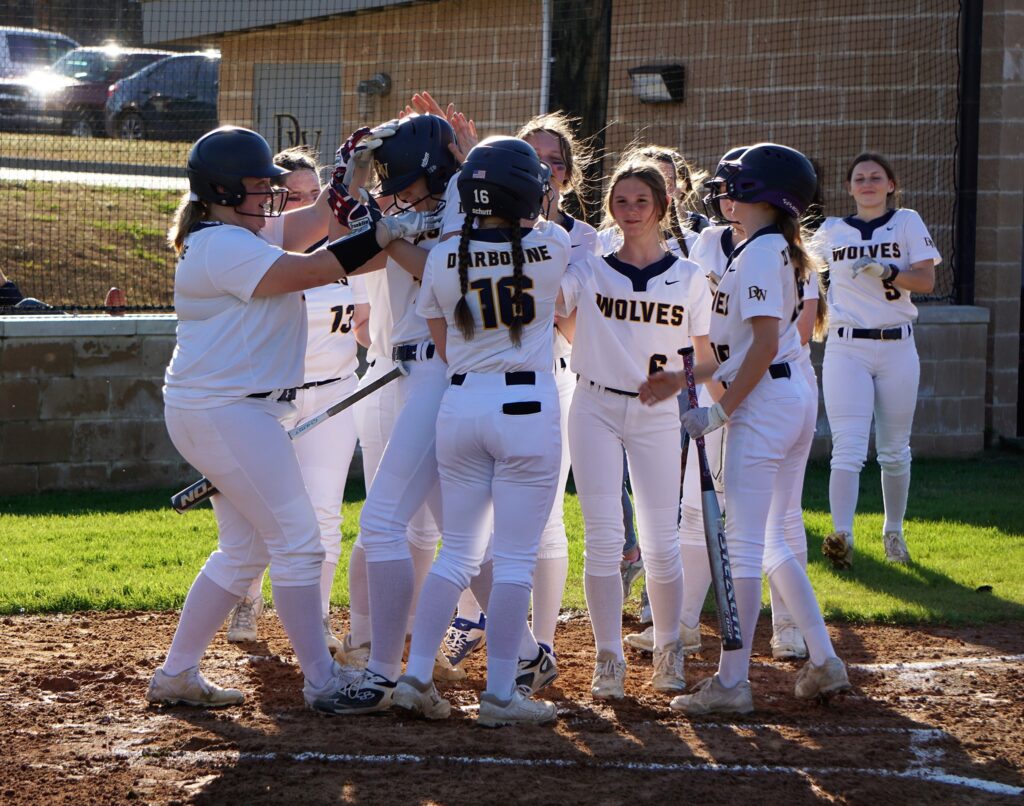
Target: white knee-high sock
point(734, 666)
point(298, 609)
point(696, 581)
point(255, 587)
point(780, 610)
point(604, 601)
point(206, 607)
point(433, 615)
point(666, 607)
point(796, 589)
point(422, 559)
point(469, 607)
point(528, 647)
point(326, 583)
point(506, 620)
point(482, 583)
point(390, 584)
point(843, 489)
point(548, 588)
point(895, 490)
point(358, 598)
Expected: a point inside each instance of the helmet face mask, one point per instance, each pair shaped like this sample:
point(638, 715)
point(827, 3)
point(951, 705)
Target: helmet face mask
point(221, 159)
point(503, 177)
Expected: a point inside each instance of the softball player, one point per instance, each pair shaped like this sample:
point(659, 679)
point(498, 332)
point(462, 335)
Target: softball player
point(552, 139)
point(636, 309)
point(875, 260)
point(755, 342)
point(330, 367)
point(489, 298)
point(414, 166)
point(224, 407)
point(683, 225)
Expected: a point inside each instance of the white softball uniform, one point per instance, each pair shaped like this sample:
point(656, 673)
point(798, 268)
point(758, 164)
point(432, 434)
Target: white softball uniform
point(331, 363)
point(498, 426)
point(232, 346)
point(554, 542)
point(871, 365)
point(765, 435)
point(629, 322)
point(406, 477)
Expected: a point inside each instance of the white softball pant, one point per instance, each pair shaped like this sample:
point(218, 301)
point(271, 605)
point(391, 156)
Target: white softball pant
point(865, 377)
point(601, 424)
point(263, 512)
point(554, 544)
point(375, 418)
point(325, 455)
point(493, 446)
point(407, 474)
point(766, 444)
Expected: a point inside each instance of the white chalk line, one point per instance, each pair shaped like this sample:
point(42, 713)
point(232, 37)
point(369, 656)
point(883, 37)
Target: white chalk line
point(918, 770)
point(924, 666)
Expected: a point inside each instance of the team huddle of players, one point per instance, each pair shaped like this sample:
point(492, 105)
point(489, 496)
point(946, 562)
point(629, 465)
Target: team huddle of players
point(532, 343)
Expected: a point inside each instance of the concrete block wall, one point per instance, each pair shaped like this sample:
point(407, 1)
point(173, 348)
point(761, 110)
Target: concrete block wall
point(81, 405)
point(950, 416)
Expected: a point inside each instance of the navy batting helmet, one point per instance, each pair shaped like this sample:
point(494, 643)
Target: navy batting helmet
point(220, 159)
point(712, 203)
point(771, 173)
point(503, 176)
point(419, 147)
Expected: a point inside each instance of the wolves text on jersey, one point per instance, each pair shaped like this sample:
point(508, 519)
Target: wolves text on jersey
point(633, 310)
point(878, 250)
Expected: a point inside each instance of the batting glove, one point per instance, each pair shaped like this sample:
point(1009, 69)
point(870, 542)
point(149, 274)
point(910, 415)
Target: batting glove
point(362, 153)
point(871, 267)
point(406, 225)
point(351, 212)
point(699, 422)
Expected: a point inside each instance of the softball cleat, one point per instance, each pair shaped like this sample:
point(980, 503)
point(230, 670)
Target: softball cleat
point(518, 710)
point(822, 682)
point(609, 682)
point(711, 697)
point(421, 699)
point(838, 548)
point(896, 548)
point(190, 688)
point(668, 673)
point(242, 623)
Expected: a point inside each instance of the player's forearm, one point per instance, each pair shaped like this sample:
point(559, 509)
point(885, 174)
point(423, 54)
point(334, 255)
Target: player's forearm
point(439, 334)
point(918, 279)
point(409, 257)
point(308, 225)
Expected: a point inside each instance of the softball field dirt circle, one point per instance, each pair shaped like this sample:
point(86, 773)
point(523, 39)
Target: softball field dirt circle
point(937, 716)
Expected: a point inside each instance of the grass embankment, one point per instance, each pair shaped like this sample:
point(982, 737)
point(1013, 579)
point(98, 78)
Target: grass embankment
point(66, 552)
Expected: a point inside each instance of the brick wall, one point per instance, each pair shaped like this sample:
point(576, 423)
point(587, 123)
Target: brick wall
point(1001, 204)
point(81, 407)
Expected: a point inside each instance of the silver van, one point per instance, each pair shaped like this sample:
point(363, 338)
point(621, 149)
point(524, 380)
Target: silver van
point(23, 50)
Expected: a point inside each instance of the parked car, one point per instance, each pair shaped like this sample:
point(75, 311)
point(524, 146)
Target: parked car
point(23, 50)
point(70, 96)
point(173, 99)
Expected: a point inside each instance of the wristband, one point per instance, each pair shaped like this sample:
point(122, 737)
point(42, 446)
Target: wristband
point(354, 250)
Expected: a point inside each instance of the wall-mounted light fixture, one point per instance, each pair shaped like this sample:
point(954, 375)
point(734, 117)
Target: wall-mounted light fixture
point(658, 83)
point(371, 89)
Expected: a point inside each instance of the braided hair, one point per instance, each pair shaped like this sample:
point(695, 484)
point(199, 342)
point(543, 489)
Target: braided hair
point(805, 269)
point(463, 315)
point(515, 330)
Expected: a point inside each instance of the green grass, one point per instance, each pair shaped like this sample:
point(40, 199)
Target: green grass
point(64, 552)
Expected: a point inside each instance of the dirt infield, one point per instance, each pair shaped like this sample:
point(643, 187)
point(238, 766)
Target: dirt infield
point(947, 724)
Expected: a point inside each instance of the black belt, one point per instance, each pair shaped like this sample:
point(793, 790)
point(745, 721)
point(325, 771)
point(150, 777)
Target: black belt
point(776, 371)
point(561, 363)
point(281, 395)
point(615, 391)
point(311, 384)
point(889, 334)
point(410, 352)
point(511, 378)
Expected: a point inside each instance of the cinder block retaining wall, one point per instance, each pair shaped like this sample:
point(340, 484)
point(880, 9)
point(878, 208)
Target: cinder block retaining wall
point(81, 408)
